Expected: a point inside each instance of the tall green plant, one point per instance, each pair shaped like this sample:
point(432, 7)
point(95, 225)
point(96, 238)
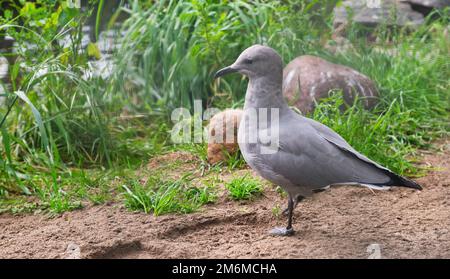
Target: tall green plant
point(171, 48)
point(47, 90)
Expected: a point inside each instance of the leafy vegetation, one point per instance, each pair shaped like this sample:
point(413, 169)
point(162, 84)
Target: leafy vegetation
point(244, 188)
point(69, 136)
point(165, 196)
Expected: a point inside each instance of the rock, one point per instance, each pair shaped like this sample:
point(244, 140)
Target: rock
point(6, 44)
point(4, 65)
point(3, 78)
point(425, 7)
point(374, 12)
point(73, 251)
point(308, 78)
point(438, 4)
point(222, 135)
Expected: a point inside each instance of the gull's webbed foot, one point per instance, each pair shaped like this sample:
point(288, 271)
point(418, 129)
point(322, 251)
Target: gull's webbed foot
point(280, 231)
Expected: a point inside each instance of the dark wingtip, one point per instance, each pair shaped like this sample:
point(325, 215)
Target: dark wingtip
point(404, 182)
point(416, 186)
point(413, 185)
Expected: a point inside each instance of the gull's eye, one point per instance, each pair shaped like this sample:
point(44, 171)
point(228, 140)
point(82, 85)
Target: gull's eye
point(248, 61)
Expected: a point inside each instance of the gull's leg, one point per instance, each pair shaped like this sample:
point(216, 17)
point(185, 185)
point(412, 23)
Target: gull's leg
point(288, 230)
point(296, 201)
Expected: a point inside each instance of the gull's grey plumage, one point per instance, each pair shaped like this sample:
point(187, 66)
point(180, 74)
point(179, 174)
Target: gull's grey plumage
point(309, 156)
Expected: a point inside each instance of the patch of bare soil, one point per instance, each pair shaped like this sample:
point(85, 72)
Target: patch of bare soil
point(344, 222)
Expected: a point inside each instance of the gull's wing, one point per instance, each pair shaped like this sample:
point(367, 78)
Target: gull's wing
point(334, 138)
point(313, 156)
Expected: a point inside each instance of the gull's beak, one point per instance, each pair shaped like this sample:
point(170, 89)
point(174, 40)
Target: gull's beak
point(225, 71)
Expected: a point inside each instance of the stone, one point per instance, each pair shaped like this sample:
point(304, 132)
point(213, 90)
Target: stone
point(73, 251)
point(307, 79)
point(374, 12)
point(222, 135)
point(425, 7)
point(438, 4)
point(3, 78)
point(4, 65)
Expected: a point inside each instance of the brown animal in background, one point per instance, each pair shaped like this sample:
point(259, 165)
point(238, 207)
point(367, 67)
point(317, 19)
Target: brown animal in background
point(222, 135)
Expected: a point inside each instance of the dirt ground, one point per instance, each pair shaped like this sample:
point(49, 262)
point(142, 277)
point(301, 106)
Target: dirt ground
point(344, 222)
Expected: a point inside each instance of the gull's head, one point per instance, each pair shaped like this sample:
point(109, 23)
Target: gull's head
point(256, 61)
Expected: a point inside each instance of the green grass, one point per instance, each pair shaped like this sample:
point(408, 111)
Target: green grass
point(17, 206)
point(233, 161)
point(71, 190)
point(277, 211)
point(244, 188)
point(161, 196)
point(176, 46)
